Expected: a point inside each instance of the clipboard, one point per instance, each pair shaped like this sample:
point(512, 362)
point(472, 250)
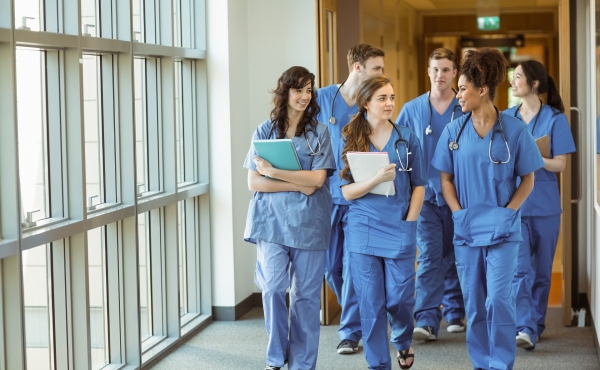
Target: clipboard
point(543, 144)
point(281, 153)
point(364, 165)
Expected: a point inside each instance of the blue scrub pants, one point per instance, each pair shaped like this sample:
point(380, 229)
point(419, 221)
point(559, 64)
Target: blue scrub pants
point(437, 280)
point(385, 289)
point(277, 268)
point(486, 275)
point(542, 238)
point(337, 274)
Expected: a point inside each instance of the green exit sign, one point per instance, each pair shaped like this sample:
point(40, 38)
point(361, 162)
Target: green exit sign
point(488, 23)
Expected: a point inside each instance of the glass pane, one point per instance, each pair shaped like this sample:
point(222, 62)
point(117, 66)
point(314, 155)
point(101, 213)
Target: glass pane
point(137, 19)
point(183, 276)
point(140, 125)
point(145, 275)
point(177, 23)
point(29, 14)
point(89, 24)
point(98, 294)
point(92, 103)
point(33, 150)
point(36, 283)
point(179, 125)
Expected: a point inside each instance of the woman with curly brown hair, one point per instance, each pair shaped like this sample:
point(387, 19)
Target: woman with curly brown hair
point(288, 221)
point(481, 157)
point(381, 231)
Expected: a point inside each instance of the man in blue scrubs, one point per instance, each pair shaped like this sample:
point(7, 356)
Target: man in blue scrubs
point(437, 281)
point(338, 105)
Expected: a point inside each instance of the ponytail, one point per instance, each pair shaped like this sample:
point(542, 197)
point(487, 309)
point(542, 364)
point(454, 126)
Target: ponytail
point(554, 100)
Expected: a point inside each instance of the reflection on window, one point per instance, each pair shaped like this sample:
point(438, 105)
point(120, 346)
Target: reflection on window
point(94, 157)
point(98, 297)
point(145, 270)
point(29, 15)
point(33, 134)
point(89, 12)
point(148, 133)
point(185, 114)
point(36, 296)
point(183, 276)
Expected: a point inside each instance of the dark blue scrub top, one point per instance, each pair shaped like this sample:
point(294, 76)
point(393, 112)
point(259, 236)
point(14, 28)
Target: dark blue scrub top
point(485, 188)
point(376, 223)
point(342, 113)
point(544, 199)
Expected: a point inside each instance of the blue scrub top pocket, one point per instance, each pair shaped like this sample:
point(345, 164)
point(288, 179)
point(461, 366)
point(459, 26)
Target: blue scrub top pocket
point(483, 226)
point(408, 230)
point(259, 221)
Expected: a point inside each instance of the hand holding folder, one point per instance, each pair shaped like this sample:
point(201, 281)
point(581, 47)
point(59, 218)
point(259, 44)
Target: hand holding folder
point(365, 165)
point(543, 144)
point(281, 153)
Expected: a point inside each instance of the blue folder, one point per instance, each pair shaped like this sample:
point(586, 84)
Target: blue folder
point(281, 153)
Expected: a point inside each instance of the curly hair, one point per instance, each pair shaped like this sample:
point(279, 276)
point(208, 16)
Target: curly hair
point(535, 71)
point(484, 67)
point(293, 78)
point(356, 133)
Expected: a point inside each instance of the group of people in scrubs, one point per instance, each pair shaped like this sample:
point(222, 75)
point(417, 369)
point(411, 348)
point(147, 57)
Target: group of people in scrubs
point(462, 172)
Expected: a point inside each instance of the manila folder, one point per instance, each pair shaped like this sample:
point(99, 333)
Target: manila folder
point(364, 166)
point(543, 144)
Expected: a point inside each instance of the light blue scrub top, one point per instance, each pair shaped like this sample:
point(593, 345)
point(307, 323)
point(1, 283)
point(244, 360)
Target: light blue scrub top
point(416, 115)
point(376, 223)
point(544, 199)
point(485, 188)
point(342, 113)
point(292, 218)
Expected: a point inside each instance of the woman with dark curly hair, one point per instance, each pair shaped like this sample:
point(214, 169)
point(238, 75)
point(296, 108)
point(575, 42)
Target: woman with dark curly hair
point(481, 157)
point(288, 221)
point(381, 232)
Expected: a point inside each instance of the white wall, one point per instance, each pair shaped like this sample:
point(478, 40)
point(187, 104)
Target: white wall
point(250, 43)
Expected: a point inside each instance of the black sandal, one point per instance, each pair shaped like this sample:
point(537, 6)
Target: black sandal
point(404, 355)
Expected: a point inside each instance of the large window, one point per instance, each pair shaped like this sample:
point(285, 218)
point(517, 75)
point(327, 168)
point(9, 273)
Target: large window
point(41, 146)
point(101, 181)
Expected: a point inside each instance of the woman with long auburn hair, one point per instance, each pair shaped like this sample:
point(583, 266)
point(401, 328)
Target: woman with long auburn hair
point(288, 221)
point(381, 231)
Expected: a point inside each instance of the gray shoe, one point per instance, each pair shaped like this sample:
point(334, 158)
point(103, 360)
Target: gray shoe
point(424, 333)
point(347, 346)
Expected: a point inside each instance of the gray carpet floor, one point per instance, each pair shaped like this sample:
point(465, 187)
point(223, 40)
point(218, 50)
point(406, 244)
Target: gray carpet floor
point(241, 345)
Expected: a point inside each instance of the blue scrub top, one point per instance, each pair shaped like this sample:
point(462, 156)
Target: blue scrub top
point(292, 218)
point(485, 188)
point(416, 115)
point(544, 199)
point(342, 113)
point(376, 223)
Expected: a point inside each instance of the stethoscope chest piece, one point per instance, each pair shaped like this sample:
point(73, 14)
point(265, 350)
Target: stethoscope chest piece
point(428, 130)
point(453, 145)
point(332, 120)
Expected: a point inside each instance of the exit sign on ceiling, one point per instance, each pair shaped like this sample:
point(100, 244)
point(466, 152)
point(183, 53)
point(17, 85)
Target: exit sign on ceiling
point(488, 23)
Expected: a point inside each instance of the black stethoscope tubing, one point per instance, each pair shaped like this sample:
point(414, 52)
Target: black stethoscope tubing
point(332, 119)
point(453, 145)
point(307, 127)
point(536, 117)
point(428, 130)
point(402, 140)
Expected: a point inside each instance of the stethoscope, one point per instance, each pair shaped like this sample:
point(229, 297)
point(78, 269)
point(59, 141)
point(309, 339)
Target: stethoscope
point(332, 118)
point(307, 127)
point(428, 130)
point(536, 117)
point(453, 145)
point(402, 141)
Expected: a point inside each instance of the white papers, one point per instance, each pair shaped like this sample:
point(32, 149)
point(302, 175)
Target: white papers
point(364, 166)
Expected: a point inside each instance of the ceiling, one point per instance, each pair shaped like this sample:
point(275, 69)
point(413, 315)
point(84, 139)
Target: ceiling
point(478, 5)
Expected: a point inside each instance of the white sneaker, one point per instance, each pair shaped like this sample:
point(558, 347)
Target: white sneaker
point(455, 326)
point(424, 333)
point(524, 341)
